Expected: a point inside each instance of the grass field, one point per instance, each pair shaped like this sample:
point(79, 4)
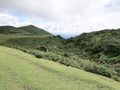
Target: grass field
point(21, 71)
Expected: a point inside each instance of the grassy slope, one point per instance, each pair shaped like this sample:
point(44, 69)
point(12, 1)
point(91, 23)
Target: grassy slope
point(19, 71)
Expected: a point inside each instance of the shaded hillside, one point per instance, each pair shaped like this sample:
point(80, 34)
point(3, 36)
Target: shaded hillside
point(34, 30)
point(26, 30)
point(12, 30)
point(101, 47)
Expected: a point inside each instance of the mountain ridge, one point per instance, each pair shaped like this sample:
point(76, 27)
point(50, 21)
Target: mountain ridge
point(34, 30)
point(24, 30)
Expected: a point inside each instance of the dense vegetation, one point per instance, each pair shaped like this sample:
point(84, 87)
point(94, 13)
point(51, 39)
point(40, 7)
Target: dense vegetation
point(22, 71)
point(102, 47)
point(97, 52)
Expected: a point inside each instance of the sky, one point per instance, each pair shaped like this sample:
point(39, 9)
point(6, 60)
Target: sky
point(63, 17)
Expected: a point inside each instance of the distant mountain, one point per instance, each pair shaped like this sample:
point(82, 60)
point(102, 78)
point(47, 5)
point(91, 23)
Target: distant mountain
point(11, 30)
point(25, 30)
point(34, 30)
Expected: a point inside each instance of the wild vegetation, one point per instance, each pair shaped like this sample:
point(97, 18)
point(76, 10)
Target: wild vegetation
point(96, 52)
point(102, 47)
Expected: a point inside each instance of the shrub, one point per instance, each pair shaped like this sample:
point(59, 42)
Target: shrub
point(42, 48)
point(99, 70)
point(66, 55)
point(38, 55)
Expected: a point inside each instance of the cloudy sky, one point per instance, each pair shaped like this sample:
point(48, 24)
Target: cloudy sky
point(65, 17)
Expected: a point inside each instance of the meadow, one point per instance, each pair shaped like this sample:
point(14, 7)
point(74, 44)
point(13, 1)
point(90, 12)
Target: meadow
point(22, 71)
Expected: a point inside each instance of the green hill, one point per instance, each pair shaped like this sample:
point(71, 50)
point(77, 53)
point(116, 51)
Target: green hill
point(101, 47)
point(21, 71)
point(26, 30)
point(12, 30)
point(96, 52)
point(34, 30)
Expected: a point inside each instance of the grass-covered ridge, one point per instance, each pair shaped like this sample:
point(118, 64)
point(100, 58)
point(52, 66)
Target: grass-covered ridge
point(34, 30)
point(21, 71)
point(25, 30)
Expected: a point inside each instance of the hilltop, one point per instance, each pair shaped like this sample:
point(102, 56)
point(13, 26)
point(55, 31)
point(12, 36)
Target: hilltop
point(34, 30)
point(25, 30)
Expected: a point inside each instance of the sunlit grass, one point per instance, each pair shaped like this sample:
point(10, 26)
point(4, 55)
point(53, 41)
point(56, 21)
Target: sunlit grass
point(21, 71)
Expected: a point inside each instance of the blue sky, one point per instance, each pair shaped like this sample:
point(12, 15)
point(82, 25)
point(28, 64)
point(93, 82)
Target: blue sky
point(65, 17)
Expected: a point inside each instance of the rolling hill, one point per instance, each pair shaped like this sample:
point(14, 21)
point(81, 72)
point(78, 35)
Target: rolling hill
point(34, 30)
point(12, 30)
point(101, 47)
point(96, 52)
point(21, 71)
point(25, 30)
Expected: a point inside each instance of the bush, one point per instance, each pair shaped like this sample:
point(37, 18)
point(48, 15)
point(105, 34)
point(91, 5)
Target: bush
point(66, 55)
point(42, 48)
point(38, 56)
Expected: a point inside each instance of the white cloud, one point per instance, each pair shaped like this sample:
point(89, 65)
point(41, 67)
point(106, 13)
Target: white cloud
point(64, 16)
point(7, 19)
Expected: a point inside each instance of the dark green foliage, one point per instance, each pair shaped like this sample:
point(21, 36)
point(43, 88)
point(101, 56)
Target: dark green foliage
point(42, 48)
point(97, 44)
point(112, 50)
point(99, 70)
point(65, 55)
point(12, 30)
point(38, 55)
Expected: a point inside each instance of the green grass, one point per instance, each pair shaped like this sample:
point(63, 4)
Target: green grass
point(21, 71)
point(5, 37)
